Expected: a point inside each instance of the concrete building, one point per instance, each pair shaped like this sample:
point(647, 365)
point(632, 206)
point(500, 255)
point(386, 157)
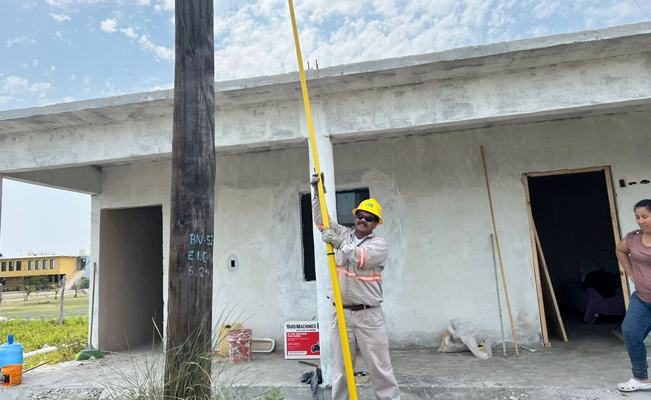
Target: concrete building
point(409, 131)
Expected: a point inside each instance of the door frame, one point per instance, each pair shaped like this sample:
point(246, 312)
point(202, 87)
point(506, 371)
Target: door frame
point(615, 226)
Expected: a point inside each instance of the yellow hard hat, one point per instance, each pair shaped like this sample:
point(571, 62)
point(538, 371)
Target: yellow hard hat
point(371, 206)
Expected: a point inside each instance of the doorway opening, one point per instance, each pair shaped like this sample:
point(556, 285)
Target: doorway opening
point(130, 276)
point(574, 232)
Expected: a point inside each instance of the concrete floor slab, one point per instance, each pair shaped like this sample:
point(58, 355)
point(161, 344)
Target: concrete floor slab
point(588, 367)
point(557, 373)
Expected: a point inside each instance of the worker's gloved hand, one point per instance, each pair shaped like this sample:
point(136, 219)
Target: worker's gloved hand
point(329, 236)
point(315, 183)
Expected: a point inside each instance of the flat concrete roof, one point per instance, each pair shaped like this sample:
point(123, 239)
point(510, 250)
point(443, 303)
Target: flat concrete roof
point(410, 70)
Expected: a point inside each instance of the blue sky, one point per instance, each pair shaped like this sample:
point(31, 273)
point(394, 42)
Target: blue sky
point(54, 51)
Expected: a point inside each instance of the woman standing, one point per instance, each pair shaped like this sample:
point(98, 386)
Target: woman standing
point(634, 253)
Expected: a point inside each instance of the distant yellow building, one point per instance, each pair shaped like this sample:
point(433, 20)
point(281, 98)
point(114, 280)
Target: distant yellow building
point(13, 270)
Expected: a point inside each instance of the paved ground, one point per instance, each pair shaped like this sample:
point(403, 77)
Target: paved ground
point(585, 368)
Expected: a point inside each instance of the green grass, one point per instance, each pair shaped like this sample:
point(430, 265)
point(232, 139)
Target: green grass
point(44, 307)
point(70, 338)
point(35, 322)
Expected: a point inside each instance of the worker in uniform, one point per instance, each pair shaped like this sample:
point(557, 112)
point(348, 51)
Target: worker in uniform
point(360, 256)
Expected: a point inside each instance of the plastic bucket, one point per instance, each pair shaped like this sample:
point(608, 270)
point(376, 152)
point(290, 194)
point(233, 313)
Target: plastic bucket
point(12, 375)
point(239, 345)
point(11, 353)
point(223, 337)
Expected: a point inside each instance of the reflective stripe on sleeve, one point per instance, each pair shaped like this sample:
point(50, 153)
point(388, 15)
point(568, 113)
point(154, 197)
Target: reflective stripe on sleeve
point(361, 278)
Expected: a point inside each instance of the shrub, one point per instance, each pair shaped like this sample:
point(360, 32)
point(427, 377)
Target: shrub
point(70, 338)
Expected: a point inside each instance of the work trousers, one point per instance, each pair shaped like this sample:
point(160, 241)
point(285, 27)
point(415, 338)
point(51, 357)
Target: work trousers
point(367, 328)
point(636, 327)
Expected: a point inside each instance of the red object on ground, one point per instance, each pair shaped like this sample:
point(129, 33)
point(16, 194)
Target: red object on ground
point(302, 340)
point(239, 345)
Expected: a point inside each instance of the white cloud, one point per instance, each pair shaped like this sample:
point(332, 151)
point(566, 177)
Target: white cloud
point(72, 78)
point(108, 25)
point(60, 17)
point(254, 38)
point(41, 89)
point(160, 51)
point(130, 33)
point(68, 99)
point(159, 87)
point(69, 3)
point(14, 85)
point(362, 30)
point(611, 14)
point(536, 31)
point(547, 8)
point(86, 84)
point(20, 89)
point(35, 62)
point(164, 5)
point(110, 88)
point(5, 100)
point(59, 36)
point(20, 40)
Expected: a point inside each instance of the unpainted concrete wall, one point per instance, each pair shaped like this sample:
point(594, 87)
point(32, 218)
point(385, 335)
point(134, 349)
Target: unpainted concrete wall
point(436, 215)
point(135, 185)
point(257, 220)
point(437, 219)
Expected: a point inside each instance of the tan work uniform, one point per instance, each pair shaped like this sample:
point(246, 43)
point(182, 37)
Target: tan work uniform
point(359, 268)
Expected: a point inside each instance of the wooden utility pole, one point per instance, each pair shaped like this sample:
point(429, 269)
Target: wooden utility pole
point(189, 333)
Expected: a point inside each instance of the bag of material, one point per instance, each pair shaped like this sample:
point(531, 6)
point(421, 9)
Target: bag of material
point(462, 336)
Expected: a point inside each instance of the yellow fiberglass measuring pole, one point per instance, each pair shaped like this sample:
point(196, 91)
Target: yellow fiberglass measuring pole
point(326, 220)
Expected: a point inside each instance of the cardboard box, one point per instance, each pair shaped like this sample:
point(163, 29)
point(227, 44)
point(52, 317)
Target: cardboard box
point(302, 340)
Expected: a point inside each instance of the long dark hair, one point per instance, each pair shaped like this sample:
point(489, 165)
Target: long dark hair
point(646, 203)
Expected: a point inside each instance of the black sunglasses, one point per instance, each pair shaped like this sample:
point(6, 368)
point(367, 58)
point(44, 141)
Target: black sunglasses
point(368, 218)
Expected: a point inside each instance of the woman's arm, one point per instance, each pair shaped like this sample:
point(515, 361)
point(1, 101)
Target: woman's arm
point(622, 251)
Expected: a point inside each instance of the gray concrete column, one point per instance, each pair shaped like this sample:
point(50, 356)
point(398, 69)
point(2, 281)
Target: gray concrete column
point(323, 279)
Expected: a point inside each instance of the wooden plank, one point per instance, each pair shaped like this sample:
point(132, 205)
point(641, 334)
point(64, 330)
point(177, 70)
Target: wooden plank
point(616, 235)
point(499, 252)
point(559, 327)
point(190, 294)
point(565, 171)
point(536, 268)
